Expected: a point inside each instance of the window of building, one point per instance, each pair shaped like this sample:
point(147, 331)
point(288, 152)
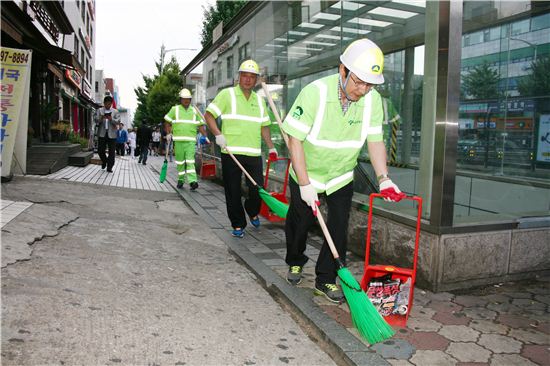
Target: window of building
point(500, 150)
point(97, 87)
point(83, 11)
point(230, 67)
point(91, 35)
point(244, 52)
point(210, 81)
point(219, 72)
point(76, 45)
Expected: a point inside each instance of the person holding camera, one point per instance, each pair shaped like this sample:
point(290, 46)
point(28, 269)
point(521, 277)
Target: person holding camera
point(107, 120)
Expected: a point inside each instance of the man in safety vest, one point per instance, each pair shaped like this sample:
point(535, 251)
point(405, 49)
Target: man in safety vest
point(245, 121)
point(327, 126)
point(185, 119)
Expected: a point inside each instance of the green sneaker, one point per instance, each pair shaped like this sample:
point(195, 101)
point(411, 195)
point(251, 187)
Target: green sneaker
point(331, 291)
point(294, 275)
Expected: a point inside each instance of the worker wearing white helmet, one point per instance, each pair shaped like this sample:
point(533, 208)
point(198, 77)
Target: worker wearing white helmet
point(184, 120)
point(245, 122)
point(327, 126)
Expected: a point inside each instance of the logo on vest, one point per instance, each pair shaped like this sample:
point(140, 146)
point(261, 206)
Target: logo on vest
point(297, 114)
point(352, 122)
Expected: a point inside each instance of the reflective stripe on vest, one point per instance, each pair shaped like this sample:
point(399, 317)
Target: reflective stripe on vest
point(242, 149)
point(183, 138)
point(178, 120)
point(241, 117)
point(313, 135)
point(331, 183)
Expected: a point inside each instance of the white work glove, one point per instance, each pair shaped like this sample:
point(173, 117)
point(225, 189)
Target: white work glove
point(221, 141)
point(308, 193)
point(273, 154)
point(390, 192)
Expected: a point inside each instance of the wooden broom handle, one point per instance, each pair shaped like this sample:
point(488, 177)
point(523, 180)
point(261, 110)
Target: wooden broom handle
point(327, 234)
point(275, 113)
point(242, 167)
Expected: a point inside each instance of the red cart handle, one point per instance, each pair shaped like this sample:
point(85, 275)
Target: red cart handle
point(369, 228)
point(266, 179)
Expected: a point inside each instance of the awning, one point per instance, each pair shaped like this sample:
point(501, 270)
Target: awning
point(58, 54)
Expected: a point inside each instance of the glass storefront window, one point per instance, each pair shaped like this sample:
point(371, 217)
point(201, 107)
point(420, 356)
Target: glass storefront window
point(503, 158)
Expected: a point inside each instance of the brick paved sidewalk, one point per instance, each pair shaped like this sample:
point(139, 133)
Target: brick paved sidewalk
point(507, 324)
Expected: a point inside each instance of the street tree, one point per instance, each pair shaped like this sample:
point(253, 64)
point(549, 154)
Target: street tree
point(222, 11)
point(481, 82)
point(538, 81)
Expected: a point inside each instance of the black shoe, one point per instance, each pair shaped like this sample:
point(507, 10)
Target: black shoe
point(109, 170)
point(180, 184)
point(144, 163)
point(103, 165)
point(294, 275)
point(139, 161)
point(331, 291)
point(194, 185)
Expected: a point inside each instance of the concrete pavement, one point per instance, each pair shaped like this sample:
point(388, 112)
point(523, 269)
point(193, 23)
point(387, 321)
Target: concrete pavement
point(504, 325)
point(95, 274)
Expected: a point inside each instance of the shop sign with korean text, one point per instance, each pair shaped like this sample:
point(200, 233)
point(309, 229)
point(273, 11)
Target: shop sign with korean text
point(15, 81)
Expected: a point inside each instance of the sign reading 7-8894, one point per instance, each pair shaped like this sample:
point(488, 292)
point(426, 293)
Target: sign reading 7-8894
point(14, 57)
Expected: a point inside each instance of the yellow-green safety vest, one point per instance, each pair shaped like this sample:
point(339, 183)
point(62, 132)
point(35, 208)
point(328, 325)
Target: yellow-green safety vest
point(332, 140)
point(185, 122)
point(242, 120)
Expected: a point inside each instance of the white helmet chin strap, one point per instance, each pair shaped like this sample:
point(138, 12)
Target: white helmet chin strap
point(344, 84)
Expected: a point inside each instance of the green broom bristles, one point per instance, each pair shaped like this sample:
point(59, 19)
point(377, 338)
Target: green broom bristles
point(163, 171)
point(279, 208)
point(370, 324)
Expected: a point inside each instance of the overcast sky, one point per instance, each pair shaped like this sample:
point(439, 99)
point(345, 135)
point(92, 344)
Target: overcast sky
point(129, 34)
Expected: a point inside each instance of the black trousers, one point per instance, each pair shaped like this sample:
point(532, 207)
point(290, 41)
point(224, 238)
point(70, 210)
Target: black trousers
point(232, 176)
point(120, 148)
point(300, 219)
point(102, 143)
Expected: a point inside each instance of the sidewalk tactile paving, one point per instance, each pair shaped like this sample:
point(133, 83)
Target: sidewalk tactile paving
point(530, 336)
point(503, 359)
point(499, 343)
point(468, 352)
point(468, 329)
point(459, 333)
point(432, 358)
point(537, 354)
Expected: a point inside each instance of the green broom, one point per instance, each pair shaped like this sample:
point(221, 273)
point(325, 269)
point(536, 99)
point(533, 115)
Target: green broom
point(164, 168)
point(279, 208)
point(366, 318)
point(368, 321)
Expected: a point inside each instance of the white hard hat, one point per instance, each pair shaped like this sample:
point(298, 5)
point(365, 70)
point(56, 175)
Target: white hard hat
point(366, 60)
point(185, 94)
point(250, 66)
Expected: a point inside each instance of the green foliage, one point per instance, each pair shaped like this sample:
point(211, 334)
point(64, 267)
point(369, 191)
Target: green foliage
point(159, 94)
point(481, 82)
point(223, 11)
point(77, 139)
point(538, 82)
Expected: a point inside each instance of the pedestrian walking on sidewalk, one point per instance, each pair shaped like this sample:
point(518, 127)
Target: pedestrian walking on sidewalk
point(143, 138)
point(327, 126)
point(132, 142)
point(156, 141)
point(184, 120)
point(107, 119)
point(244, 122)
point(121, 139)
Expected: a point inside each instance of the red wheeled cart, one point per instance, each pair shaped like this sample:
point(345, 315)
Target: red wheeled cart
point(386, 284)
point(208, 163)
point(281, 196)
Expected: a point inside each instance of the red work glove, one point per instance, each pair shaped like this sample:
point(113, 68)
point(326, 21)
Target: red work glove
point(273, 154)
point(390, 192)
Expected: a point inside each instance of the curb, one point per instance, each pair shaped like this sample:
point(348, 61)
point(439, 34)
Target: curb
point(344, 347)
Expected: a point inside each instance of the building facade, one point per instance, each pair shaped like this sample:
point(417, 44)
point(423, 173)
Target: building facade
point(474, 134)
